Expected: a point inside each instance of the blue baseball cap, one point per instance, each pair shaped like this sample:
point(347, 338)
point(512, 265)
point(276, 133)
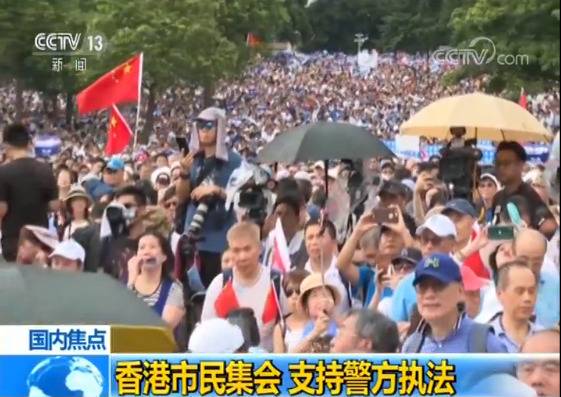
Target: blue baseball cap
point(116, 163)
point(461, 206)
point(439, 266)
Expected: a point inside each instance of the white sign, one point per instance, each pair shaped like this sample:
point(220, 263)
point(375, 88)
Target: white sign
point(55, 339)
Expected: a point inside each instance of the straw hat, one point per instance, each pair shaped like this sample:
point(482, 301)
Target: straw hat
point(314, 281)
point(77, 191)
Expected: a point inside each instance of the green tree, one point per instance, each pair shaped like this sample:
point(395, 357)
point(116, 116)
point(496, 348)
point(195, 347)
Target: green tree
point(20, 22)
point(527, 27)
point(334, 24)
point(416, 26)
point(192, 42)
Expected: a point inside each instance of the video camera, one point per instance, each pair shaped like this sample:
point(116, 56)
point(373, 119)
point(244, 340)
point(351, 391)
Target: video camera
point(459, 170)
point(250, 193)
point(119, 219)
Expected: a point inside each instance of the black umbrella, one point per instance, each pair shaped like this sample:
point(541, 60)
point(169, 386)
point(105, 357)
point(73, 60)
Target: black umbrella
point(324, 141)
point(31, 295)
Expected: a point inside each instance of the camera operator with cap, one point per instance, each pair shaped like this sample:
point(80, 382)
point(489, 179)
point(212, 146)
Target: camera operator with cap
point(206, 171)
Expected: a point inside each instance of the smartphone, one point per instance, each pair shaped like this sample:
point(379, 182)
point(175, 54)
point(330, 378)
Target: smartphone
point(385, 215)
point(501, 233)
point(182, 144)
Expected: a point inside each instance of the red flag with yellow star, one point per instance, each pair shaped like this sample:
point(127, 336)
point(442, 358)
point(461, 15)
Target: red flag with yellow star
point(119, 134)
point(120, 85)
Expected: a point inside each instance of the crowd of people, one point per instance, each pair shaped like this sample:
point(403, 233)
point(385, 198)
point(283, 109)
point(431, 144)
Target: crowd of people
point(421, 270)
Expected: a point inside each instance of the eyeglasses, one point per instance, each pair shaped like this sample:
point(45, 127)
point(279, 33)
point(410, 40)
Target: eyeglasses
point(289, 291)
point(205, 125)
point(434, 240)
point(430, 284)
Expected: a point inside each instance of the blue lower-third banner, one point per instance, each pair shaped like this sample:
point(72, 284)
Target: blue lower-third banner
point(75, 375)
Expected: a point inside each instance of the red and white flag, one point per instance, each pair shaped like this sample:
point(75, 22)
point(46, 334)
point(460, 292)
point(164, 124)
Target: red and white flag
point(119, 133)
point(280, 258)
point(523, 100)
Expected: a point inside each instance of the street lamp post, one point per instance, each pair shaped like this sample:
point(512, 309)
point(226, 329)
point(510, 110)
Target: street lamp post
point(360, 39)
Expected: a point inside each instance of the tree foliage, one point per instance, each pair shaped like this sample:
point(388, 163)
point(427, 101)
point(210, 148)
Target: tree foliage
point(526, 28)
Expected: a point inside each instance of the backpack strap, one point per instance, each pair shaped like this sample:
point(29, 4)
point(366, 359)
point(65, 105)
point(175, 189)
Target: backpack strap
point(477, 342)
point(164, 293)
point(417, 339)
point(227, 275)
point(276, 278)
point(348, 290)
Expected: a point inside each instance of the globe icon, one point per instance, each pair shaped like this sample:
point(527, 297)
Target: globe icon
point(65, 377)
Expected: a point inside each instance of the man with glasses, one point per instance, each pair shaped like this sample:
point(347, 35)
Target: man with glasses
point(206, 171)
point(445, 327)
point(437, 234)
point(509, 166)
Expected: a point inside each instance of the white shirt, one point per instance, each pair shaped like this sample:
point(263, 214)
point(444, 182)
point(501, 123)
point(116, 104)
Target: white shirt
point(332, 277)
point(253, 297)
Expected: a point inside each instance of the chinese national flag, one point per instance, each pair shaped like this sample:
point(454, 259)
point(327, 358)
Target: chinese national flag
point(119, 133)
point(121, 84)
point(523, 100)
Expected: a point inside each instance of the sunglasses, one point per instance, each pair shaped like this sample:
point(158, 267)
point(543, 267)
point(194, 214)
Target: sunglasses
point(289, 291)
point(206, 125)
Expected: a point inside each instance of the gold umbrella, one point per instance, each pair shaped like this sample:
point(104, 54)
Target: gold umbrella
point(483, 116)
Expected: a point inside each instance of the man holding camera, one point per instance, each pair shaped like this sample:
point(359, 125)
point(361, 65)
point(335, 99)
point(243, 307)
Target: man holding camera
point(205, 174)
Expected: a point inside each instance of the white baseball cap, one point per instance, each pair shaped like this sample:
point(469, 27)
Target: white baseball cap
point(70, 249)
point(440, 225)
point(216, 335)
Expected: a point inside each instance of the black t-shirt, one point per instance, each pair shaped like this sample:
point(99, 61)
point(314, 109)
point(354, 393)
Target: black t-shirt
point(535, 202)
point(27, 186)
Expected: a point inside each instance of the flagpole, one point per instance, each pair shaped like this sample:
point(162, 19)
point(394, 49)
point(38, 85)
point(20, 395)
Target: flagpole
point(138, 104)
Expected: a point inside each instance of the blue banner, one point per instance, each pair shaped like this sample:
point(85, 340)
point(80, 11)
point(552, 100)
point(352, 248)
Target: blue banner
point(537, 153)
point(474, 375)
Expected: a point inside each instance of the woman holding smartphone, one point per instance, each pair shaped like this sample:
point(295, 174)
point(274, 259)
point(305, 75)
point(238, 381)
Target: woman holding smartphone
point(150, 278)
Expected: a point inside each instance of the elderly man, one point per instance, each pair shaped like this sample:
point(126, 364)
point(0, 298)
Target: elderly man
point(249, 284)
point(365, 331)
point(542, 375)
point(516, 290)
point(437, 234)
point(444, 327)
